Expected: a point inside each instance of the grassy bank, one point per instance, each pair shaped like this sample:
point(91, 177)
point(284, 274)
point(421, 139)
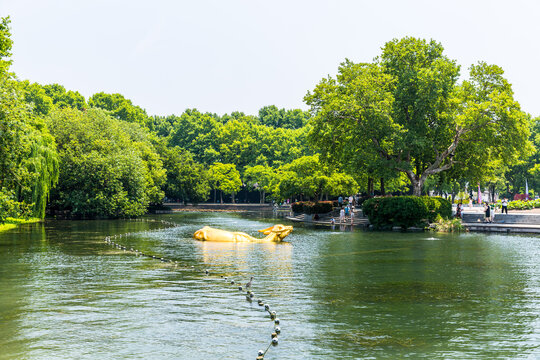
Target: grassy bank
point(12, 223)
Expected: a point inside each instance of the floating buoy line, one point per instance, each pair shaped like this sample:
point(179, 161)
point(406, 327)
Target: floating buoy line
point(113, 241)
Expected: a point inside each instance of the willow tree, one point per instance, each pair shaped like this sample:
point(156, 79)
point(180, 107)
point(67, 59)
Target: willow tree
point(28, 159)
point(407, 113)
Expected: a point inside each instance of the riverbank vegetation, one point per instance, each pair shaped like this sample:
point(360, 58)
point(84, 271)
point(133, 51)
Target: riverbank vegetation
point(11, 223)
point(403, 124)
point(406, 211)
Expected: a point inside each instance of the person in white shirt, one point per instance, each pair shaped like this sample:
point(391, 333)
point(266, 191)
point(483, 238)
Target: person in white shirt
point(504, 206)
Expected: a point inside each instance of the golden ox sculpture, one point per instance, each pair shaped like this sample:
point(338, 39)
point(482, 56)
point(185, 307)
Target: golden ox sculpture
point(274, 233)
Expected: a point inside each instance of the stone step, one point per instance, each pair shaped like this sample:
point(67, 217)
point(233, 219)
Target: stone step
point(503, 218)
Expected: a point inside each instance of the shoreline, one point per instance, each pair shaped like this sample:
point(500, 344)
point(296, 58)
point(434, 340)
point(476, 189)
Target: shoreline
point(12, 223)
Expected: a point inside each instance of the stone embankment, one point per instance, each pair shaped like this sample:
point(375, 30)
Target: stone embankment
point(219, 207)
point(514, 222)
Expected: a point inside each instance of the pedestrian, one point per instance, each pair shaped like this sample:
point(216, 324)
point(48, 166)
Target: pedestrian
point(459, 210)
point(347, 210)
point(341, 216)
point(340, 200)
point(351, 199)
point(487, 212)
point(504, 208)
point(352, 216)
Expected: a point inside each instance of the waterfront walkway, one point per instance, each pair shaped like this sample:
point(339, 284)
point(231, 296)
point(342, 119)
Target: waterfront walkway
point(516, 221)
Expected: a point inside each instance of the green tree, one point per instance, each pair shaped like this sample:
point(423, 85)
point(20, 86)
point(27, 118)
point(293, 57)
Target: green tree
point(5, 47)
point(35, 95)
point(226, 178)
point(120, 108)
point(281, 118)
point(407, 113)
point(64, 99)
point(260, 178)
point(109, 168)
point(186, 179)
point(28, 158)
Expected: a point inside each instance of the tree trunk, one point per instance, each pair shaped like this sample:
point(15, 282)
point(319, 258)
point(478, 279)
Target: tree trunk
point(383, 192)
point(370, 186)
point(232, 196)
point(215, 195)
point(417, 185)
point(221, 196)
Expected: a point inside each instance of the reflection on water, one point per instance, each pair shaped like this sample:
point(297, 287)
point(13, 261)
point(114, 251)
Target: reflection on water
point(65, 294)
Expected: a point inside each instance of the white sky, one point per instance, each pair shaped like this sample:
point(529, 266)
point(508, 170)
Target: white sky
point(232, 55)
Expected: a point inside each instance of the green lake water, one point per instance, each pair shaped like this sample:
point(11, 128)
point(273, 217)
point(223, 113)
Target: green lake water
point(67, 294)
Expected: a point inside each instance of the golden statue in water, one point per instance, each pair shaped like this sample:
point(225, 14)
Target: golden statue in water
point(274, 233)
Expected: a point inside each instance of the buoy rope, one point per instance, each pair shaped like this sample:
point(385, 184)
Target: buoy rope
point(249, 294)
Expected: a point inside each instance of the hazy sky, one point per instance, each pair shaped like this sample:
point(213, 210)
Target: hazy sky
point(223, 56)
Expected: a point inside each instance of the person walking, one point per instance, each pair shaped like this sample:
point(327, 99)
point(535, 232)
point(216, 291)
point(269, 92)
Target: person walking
point(340, 200)
point(504, 208)
point(342, 216)
point(459, 210)
point(487, 212)
point(352, 215)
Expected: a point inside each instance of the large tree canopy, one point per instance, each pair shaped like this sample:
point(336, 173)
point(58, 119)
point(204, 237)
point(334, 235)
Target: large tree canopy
point(108, 167)
point(407, 113)
point(28, 158)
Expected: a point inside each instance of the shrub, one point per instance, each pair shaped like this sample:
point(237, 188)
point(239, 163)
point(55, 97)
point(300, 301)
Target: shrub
point(523, 205)
point(297, 207)
point(310, 207)
point(437, 206)
point(361, 200)
point(11, 208)
point(448, 225)
point(405, 211)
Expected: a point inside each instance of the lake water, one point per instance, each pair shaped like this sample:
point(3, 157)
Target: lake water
point(67, 294)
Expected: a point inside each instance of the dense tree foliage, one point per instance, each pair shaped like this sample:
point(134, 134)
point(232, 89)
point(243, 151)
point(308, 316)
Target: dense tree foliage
point(238, 140)
point(281, 118)
point(119, 107)
point(225, 178)
point(108, 167)
point(28, 159)
point(308, 177)
point(260, 178)
point(186, 180)
point(407, 113)
point(405, 122)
